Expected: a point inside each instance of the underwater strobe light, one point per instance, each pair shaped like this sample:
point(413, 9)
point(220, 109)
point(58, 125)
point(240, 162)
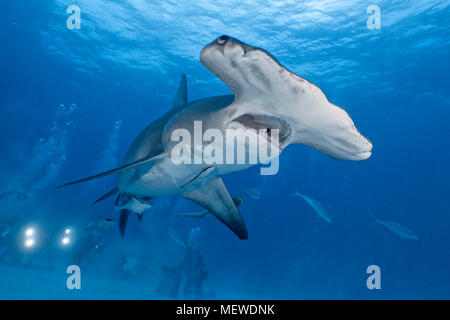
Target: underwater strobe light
point(66, 238)
point(30, 238)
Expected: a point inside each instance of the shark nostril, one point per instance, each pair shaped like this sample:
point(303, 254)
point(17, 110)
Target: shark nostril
point(222, 39)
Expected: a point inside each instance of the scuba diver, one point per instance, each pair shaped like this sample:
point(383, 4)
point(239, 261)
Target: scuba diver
point(45, 246)
point(127, 267)
point(91, 243)
point(8, 244)
point(9, 231)
point(20, 247)
point(20, 195)
point(192, 269)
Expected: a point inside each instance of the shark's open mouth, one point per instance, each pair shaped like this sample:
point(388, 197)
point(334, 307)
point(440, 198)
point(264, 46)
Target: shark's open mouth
point(266, 127)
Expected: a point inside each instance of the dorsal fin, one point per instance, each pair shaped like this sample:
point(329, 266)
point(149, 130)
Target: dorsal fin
point(181, 97)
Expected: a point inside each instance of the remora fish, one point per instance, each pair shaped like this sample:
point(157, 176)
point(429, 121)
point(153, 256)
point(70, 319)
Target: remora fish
point(127, 203)
point(321, 211)
point(267, 98)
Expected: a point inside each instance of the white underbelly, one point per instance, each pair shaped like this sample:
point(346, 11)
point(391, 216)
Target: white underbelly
point(163, 179)
point(167, 177)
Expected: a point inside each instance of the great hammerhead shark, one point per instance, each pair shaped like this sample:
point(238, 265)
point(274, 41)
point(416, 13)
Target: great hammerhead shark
point(267, 99)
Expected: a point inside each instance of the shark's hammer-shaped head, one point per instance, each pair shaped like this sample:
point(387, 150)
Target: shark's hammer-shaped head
point(267, 94)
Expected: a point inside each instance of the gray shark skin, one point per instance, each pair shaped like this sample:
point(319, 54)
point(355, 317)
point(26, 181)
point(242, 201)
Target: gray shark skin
point(265, 95)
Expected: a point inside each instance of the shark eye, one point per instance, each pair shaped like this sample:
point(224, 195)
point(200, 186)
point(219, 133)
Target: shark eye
point(223, 39)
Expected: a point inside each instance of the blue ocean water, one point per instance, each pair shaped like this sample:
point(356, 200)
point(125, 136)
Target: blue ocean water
point(73, 100)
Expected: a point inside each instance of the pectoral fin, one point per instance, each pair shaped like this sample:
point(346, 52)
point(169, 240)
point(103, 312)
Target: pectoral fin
point(106, 195)
point(214, 197)
point(146, 160)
